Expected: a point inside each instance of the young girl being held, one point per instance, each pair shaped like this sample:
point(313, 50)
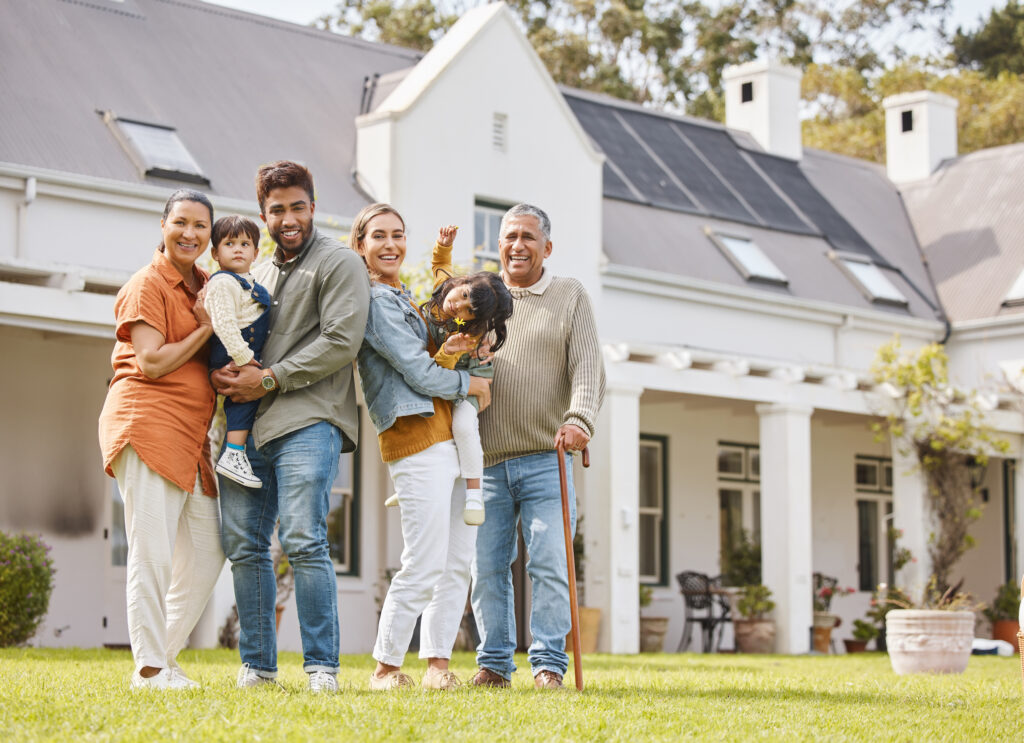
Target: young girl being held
point(239, 309)
point(460, 314)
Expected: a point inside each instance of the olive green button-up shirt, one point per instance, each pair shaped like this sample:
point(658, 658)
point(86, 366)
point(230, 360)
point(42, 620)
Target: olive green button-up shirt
point(317, 320)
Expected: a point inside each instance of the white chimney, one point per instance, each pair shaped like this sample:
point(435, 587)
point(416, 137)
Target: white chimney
point(920, 132)
point(763, 98)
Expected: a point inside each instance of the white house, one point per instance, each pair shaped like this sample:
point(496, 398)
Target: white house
point(742, 284)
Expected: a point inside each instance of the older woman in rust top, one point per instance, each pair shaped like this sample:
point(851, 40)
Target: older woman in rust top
point(153, 433)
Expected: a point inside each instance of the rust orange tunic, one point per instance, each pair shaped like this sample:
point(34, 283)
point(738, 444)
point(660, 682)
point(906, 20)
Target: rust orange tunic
point(164, 419)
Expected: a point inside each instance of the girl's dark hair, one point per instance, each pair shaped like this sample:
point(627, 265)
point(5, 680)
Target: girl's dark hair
point(185, 194)
point(489, 299)
point(235, 226)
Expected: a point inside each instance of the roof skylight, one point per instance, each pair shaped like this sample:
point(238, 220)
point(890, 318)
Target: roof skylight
point(156, 150)
point(874, 284)
point(748, 258)
point(1016, 294)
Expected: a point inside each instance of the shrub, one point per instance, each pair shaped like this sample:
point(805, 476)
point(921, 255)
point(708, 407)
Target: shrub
point(26, 581)
point(755, 602)
point(1006, 603)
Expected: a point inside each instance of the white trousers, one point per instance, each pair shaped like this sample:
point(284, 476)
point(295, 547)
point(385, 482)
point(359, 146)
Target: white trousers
point(438, 549)
point(174, 558)
point(466, 432)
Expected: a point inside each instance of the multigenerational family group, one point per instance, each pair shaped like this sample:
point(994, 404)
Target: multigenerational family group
point(278, 340)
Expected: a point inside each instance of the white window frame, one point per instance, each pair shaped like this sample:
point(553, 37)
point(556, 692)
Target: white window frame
point(657, 512)
point(881, 494)
point(348, 564)
point(170, 159)
point(747, 483)
point(739, 250)
point(869, 279)
point(484, 252)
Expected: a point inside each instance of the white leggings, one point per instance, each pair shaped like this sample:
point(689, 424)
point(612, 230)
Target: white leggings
point(466, 432)
point(174, 558)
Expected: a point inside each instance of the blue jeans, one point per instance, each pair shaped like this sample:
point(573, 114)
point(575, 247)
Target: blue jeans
point(297, 471)
point(524, 489)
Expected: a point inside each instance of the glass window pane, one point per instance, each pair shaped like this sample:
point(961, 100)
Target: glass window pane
point(338, 526)
point(649, 547)
point(887, 475)
point(867, 544)
point(650, 475)
point(874, 281)
point(890, 545)
point(749, 255)
point(494, 231)
point(867, 474)
point(730, 524)
point(480, 230)
point(1016, 293)
point(755, 464)
point(730, 461)
point(160, 148)
point(755, 501)
point(344, 476)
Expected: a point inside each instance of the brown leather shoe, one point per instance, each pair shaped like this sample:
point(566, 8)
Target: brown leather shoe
point(487, 677)
point(547, 680)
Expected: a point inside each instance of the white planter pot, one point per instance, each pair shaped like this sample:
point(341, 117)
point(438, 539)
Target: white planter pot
point(929, 641)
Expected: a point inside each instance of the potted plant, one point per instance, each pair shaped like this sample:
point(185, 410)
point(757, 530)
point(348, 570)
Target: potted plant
point(863, 633)
point(1003, 614)
point(825, 589)
point(883, 600)
point(652, 629)
point(944, 430)
point(755, 632)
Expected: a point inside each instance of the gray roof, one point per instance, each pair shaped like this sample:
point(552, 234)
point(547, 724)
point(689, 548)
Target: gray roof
point(669, 179)
point(969, 218)
point(240, 90)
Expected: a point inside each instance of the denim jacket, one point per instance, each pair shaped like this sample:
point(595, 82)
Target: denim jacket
point(398, 376)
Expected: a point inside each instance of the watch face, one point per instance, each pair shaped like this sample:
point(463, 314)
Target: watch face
point(269, 383)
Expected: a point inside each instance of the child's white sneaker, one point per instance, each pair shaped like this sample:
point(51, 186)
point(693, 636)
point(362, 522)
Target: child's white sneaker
point(391, 502)
point(235, 466)
point(473, 513)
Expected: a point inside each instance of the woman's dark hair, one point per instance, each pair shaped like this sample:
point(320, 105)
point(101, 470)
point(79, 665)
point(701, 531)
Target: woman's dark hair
point(185, 194)
point(489, 300)
point(282, 174)
point(234, 226)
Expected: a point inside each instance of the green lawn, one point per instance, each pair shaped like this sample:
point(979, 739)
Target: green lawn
point(83, 695)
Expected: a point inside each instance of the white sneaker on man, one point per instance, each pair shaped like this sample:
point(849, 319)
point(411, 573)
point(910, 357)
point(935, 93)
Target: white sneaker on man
point(248, 678)
point(234, 465)
point(321, 682)
point(163, 681)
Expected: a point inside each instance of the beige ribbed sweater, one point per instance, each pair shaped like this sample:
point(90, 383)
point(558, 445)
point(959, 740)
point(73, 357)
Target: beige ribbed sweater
point(548, 373)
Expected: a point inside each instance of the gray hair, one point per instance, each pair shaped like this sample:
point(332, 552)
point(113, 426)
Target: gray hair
point(528, 210)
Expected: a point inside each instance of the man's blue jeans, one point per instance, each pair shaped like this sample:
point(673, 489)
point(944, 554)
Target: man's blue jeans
point(297, 471)
point(524, 489)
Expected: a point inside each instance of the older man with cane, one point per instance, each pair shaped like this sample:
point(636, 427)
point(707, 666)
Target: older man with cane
point(547, 390)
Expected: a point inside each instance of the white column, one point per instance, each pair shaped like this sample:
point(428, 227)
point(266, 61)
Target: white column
point(910, 516)
point(612, 556)
point(1018, 517)
point(786, 521)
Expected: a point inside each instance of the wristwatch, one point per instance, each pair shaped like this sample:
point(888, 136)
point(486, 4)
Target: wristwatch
point(269, 382)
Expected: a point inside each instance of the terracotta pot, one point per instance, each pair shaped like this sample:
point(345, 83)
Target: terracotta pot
point(929, 641)
point(278, 611)
point(1006, 629)
point(755, 635)
point(855, 646)
point(590, 626)
point(652, 634)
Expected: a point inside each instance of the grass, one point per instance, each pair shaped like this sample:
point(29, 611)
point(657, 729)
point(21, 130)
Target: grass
point(50, 694)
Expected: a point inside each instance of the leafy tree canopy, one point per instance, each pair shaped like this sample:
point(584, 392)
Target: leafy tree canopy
point(996, 47)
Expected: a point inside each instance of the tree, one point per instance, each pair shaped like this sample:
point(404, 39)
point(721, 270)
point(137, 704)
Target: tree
point(850, 119)
point(944, 430)
point(996, 47)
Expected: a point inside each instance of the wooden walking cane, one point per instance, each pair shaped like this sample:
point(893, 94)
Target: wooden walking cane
point(574, 605)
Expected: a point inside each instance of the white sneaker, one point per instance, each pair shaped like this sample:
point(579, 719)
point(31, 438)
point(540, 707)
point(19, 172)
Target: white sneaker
point(248, 678)
point(179, 675)
point(473, 513)
point(164, 681)
point(321, 682)
point(235, 465)
point(392, 501)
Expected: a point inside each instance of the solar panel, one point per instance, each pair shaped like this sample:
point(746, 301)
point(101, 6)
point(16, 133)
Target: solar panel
point(673, 150)
point(791, 180)
point(722, 152)
point(629, 156)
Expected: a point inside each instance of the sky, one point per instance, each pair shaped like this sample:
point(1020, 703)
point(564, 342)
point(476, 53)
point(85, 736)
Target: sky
point(966, 13)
